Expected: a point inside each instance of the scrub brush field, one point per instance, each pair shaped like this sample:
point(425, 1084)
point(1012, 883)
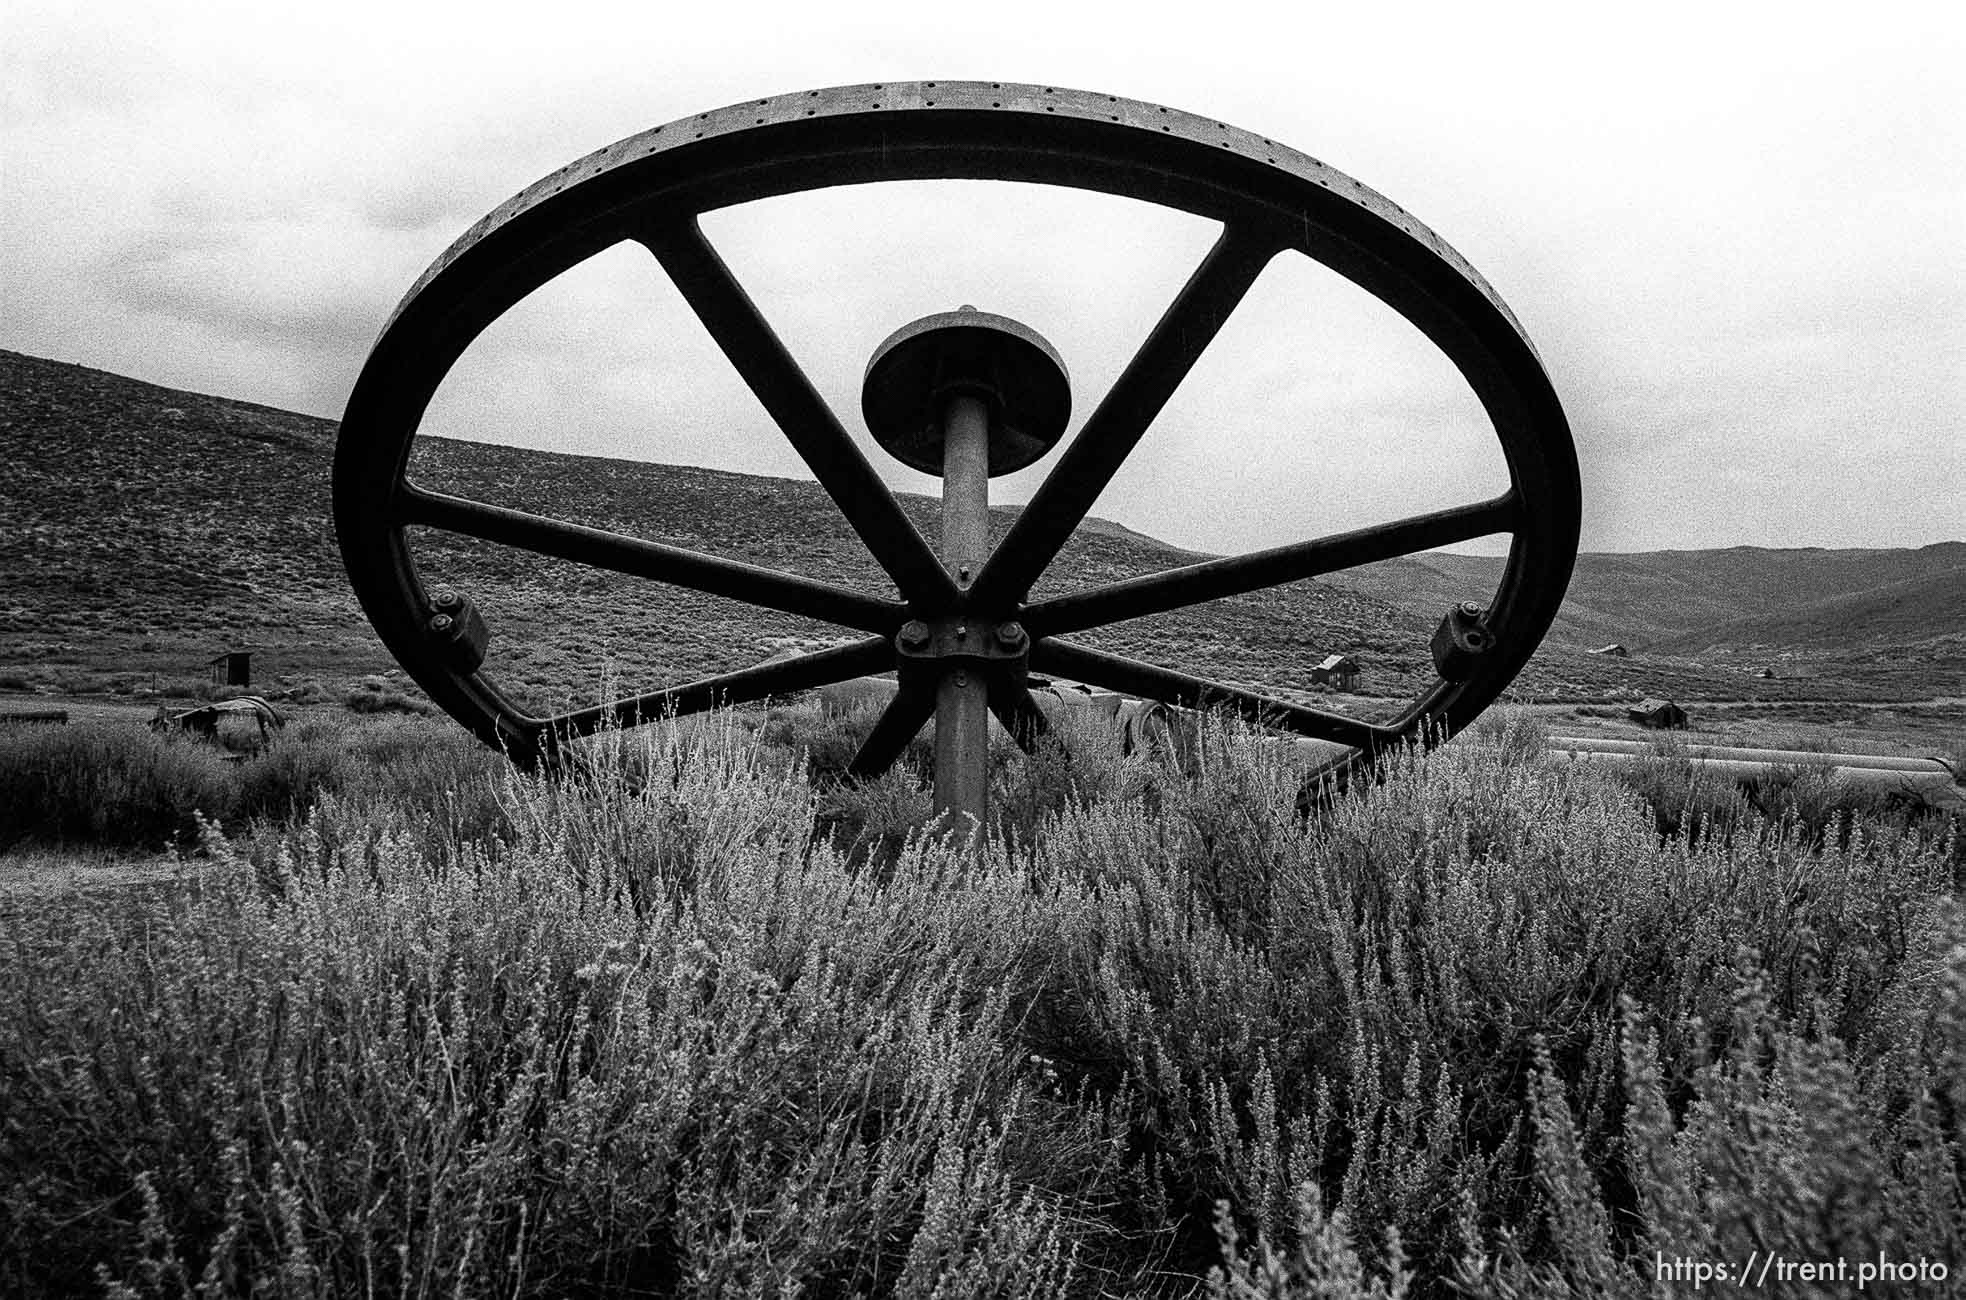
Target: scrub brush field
point(700, 1021)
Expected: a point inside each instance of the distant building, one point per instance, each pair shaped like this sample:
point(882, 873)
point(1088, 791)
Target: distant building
point(1613, 649)
point(1659, 715)
point(233, 668)
point(1340, 672)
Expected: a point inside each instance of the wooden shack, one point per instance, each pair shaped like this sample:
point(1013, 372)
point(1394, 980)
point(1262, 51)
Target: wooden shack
point(1340, 672)
point(1658, 715)
point(233, 668)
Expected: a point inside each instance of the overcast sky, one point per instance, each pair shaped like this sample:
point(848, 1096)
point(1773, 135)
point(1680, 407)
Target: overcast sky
point(1737, 234)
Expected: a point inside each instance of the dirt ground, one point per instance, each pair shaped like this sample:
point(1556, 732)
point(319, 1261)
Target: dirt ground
point(39, 875)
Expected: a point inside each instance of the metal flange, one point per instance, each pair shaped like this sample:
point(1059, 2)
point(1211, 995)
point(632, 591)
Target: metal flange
point(966, 353)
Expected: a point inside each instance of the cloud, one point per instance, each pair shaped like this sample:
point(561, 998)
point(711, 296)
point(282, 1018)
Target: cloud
point(297, 282)
point(1738, 254)
point(421, 206)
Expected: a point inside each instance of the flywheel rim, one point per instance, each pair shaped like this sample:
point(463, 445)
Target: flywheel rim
point(651, 188)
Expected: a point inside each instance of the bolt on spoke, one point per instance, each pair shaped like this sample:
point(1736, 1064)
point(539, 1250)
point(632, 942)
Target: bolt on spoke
point(1176, 342)
point(785, 592)
point(782, 387)
point(1159, 593)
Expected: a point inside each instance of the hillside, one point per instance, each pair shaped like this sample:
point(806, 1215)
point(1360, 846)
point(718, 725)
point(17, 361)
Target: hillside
point(147, 529)
point(143, 529)
point(1682, 602)
point(1907, 613)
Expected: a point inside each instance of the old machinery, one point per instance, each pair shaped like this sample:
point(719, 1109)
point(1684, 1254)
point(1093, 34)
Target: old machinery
point(967, 395)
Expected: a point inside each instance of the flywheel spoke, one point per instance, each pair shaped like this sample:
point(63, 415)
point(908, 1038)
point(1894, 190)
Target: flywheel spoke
point(820, 668)
point(1267, 199)
point(1131, 677)
point(1182, 334)
point(796, 406)
point(1020, 715)
point(769, 588)
point(1157, 593)
point(913, 704)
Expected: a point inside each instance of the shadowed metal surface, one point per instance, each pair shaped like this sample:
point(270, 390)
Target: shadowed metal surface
point(1131, 677)
point(780, 677)
point(1159, 593)
point(593, 546)
point(651, 188)
point(815, 114)
point(1012, 367)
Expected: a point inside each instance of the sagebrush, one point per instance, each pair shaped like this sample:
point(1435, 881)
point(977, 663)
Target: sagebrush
point(129, 787)
point(1478, 1028)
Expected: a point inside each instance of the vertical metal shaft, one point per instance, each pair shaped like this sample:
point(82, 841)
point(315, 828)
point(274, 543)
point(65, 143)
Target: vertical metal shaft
point(962, 700)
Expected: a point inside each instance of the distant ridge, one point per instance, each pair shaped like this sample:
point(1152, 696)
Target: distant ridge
point(1685, 601)
point(143, 529)
point(1910, 611)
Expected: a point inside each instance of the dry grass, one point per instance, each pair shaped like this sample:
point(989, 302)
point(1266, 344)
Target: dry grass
point(1477, 1030)
point(122, 786)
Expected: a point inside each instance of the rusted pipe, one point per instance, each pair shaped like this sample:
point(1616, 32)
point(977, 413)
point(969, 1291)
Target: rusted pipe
point(962, 697)
point(1929, 782)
